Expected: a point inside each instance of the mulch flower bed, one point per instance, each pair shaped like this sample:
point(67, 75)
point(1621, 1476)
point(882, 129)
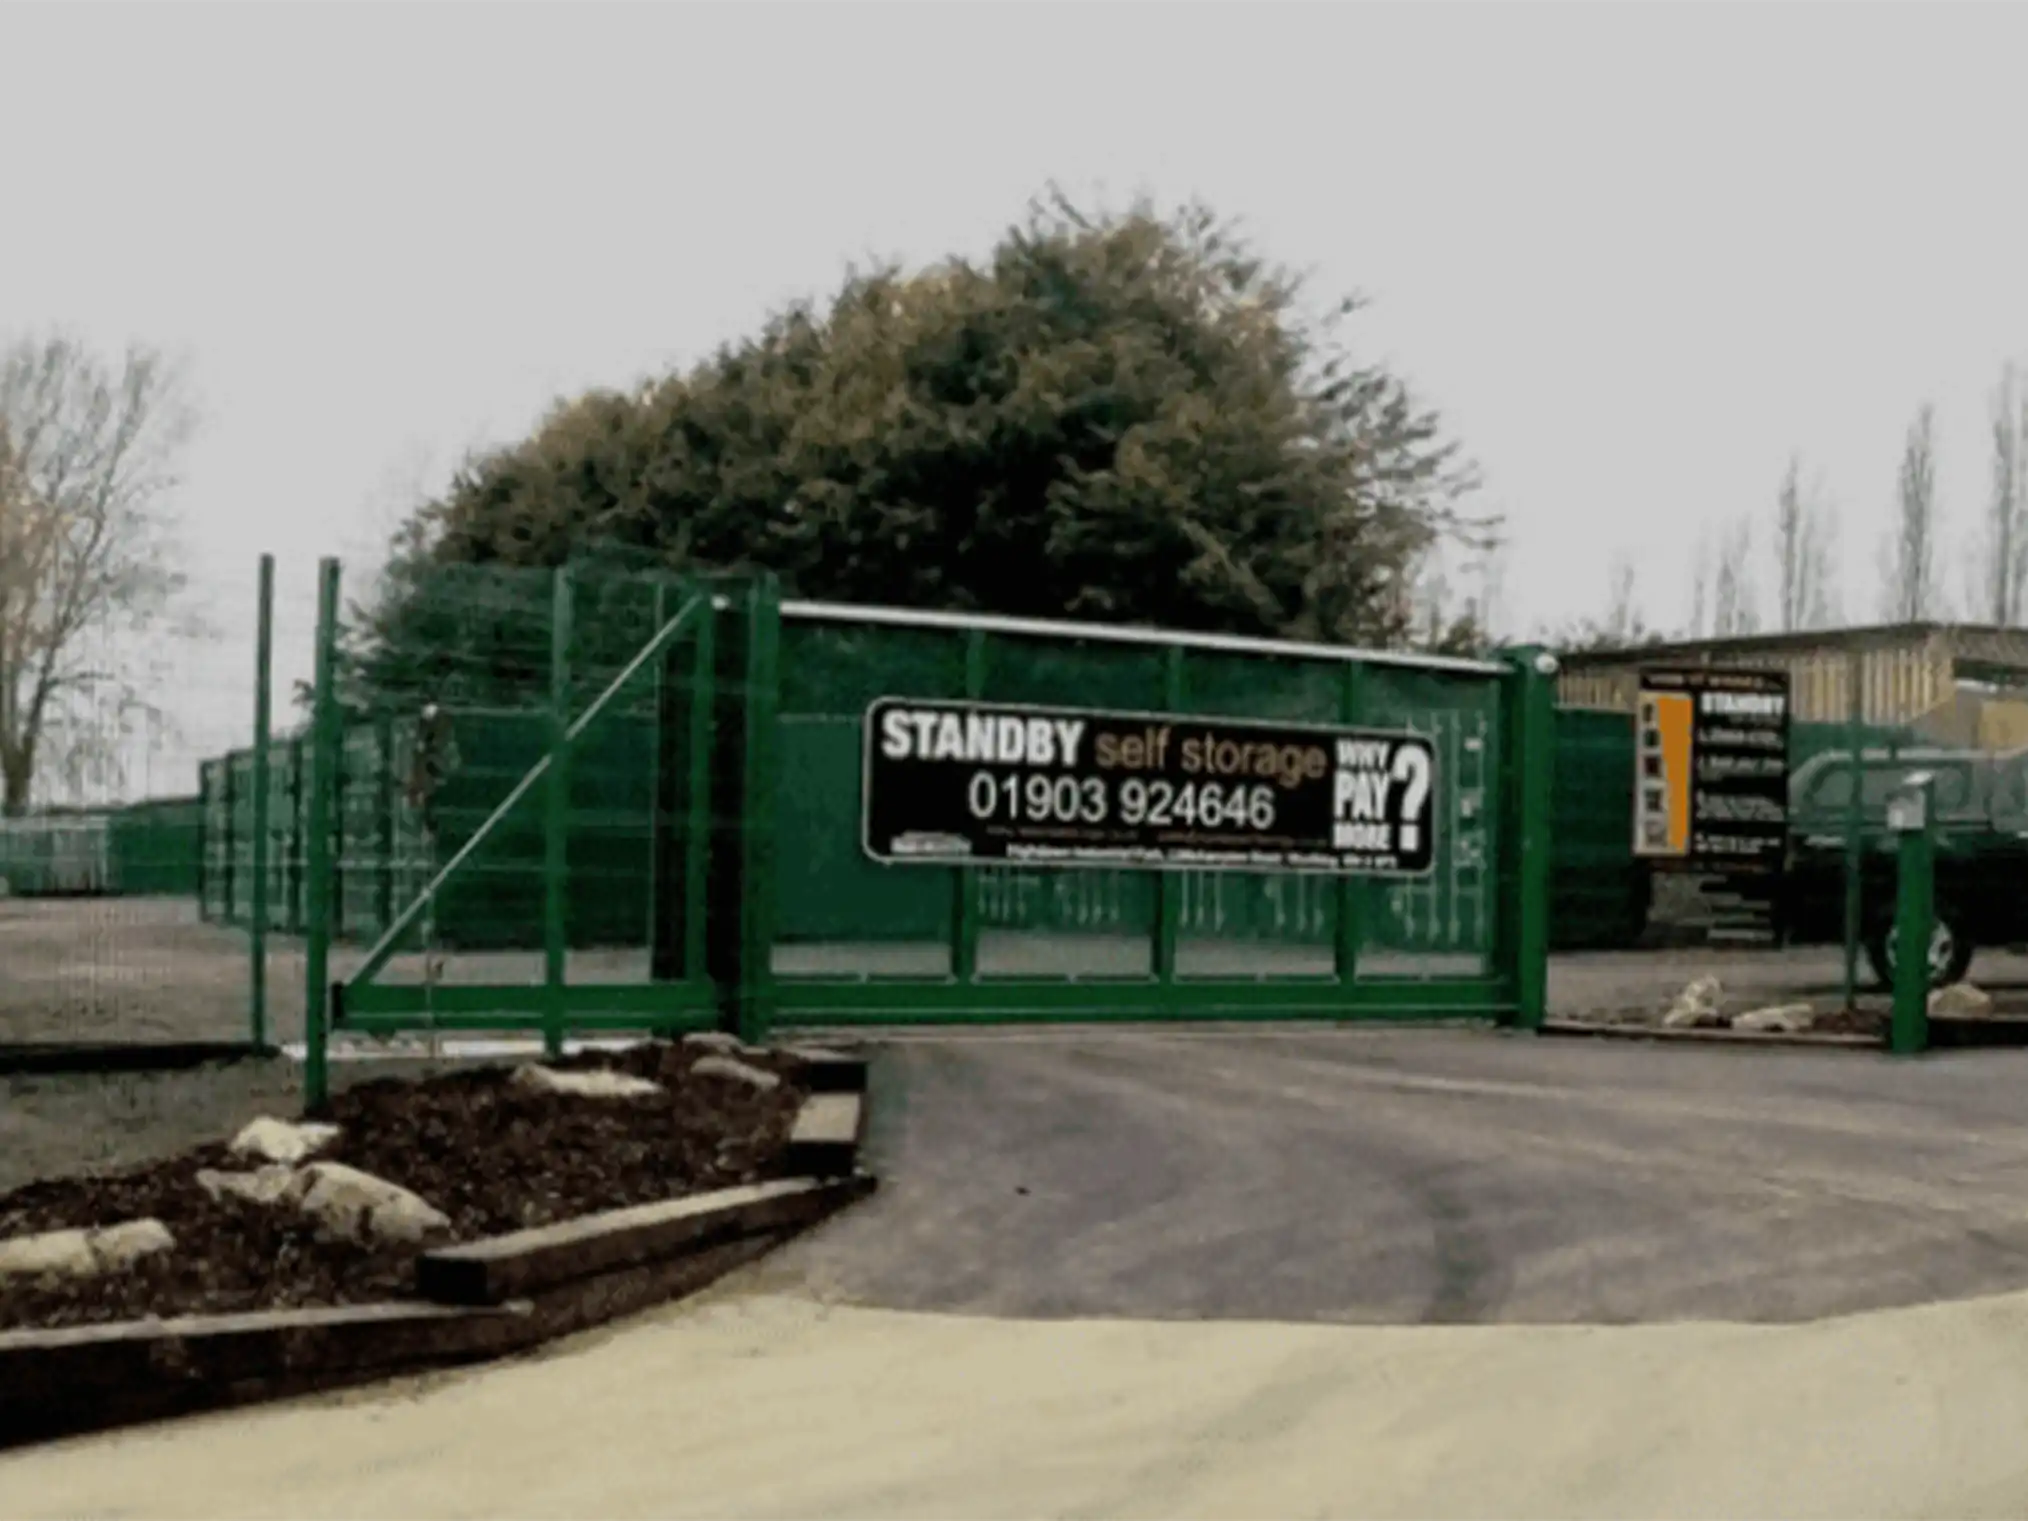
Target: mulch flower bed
point(491, 1154)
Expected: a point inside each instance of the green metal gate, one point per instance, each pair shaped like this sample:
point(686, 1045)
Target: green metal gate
point(728, 829)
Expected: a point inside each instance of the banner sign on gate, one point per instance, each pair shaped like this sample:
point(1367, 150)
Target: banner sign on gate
point(948, 783)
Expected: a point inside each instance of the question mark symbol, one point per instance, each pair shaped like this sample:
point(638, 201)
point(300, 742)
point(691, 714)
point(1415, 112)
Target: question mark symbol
point(1412, 766)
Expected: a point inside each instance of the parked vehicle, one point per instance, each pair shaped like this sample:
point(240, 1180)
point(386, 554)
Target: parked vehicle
point(1981, 804)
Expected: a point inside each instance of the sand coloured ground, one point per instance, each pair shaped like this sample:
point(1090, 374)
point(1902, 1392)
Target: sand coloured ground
point(741, 1404)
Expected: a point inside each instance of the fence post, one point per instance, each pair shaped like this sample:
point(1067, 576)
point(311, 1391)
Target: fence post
point(325, 739)
point(658, 765)
point(739, 941)
point(1350, 890)
point(556, 821)
point(1530, 746)
point(228, 857)
point(1169, 884)
point(383, 809)
point(698, 811)
point(965, 907)
point(1912, 816)
point(257, 931)
point(1855, 820)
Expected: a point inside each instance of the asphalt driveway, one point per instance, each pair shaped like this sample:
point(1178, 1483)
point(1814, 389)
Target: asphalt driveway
point(1427, 1176)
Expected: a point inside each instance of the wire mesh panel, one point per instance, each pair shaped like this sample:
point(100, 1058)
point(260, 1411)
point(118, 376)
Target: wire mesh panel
point(517, 804)
point(986, 940)
point(836, 912)
point(1443, 924)
point(1071, 922)
point(1260, 923)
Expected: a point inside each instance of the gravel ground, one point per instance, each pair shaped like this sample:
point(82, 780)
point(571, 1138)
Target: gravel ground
point(133, 969)
point(147, 969)
point(1622, 984)
point(1424, 1176)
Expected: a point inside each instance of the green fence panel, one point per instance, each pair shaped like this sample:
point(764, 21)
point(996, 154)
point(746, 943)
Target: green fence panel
point(155, 848)
point(1445, 921)
point(1599, 891)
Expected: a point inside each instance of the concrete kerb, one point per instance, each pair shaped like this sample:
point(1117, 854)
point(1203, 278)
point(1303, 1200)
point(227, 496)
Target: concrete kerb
point(106, 1058)
point(1601, 1030)
point(476, 1301)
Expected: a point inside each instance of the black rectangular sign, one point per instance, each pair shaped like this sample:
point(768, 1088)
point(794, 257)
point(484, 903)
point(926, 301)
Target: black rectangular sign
point(953, 782)
point(1712, 793)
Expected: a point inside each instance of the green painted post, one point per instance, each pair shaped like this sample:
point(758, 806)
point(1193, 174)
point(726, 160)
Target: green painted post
point(325, 739)
point(757, 830)
point(257, 932)
point(383, 809)
point(1914, 819)
point(1531, 753)
point(228, 779)
point(697, 837)
point(1351, 891)
point(1168, 886)
point(556, 821)
point(656, 822)
point(1855, 822)
point(965, 883)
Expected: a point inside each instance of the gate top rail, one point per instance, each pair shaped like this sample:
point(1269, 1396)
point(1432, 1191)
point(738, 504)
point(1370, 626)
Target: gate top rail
point(1052, 628)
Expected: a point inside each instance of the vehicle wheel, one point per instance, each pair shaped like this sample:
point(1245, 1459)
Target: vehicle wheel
point(1950, 951)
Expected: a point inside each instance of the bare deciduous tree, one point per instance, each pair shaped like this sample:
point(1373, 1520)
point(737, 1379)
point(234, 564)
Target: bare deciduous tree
point(1700, 590)
point(87, 453)
point(1911, 589)
point(1622, 627)
point(1623, 624)
point(1733, 605)
point(1802, 544)
point(2006, 557)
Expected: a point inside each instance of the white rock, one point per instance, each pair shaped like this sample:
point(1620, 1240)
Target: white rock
point(725, 1066)
point(600, 1082)
point(120, 1246)
point(66, 1254)
point(1697, 1006)
point(1961, 1000)
point(264, 1185)
point(83, 1253)
point(1784, 1019)
point(359, 1206)
point(275, 1140)
point(724, 1042)
point(1706, 992)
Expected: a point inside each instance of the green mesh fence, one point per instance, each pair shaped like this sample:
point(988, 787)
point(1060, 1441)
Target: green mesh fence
point(1599, 892)
point(693, 852)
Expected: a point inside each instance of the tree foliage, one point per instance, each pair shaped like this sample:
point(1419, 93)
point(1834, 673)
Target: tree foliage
point(1126, 417)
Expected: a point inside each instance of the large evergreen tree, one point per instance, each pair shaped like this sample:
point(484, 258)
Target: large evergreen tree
point(1125, 418)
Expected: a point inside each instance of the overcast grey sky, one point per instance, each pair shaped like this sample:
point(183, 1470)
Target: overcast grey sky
point(1636, 253)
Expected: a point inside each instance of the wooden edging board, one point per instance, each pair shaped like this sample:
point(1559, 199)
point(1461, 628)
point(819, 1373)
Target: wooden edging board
point(476, 1300)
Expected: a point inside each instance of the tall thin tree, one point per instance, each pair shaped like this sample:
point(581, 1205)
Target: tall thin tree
point(1911, 588)
point(2006, 555)
point(1734, 609)
point(1802, 554)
